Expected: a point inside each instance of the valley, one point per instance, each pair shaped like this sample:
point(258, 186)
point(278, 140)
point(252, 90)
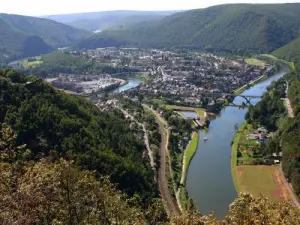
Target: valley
point(151, 117)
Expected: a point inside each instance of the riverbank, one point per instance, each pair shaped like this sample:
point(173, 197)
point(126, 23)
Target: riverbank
point(257, 180)
point(233, 162)
point(263, 77)
point(250, 84)
point(187, 158)
point(127, 84)
point(211, 166)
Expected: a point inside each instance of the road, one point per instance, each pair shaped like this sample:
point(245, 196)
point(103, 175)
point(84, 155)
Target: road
point(146, 138)
point(150, 152)
point(170, 203)
point(292, 195)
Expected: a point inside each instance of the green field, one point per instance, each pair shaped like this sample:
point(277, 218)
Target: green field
point(259, 180)
point(254, 62)
point(189, 154)
point(290, 64)
point(199, 111)
point(234, 147)
point(246, 146)
point(157, 101)
point(144, 76)
point(254, 179)
point(191, 150)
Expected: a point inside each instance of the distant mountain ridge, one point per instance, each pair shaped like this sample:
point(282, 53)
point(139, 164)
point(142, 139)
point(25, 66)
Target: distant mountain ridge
point(242, 28)
point(92, 21)
point(23, 36)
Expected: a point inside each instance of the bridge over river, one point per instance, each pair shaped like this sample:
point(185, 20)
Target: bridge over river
point(209, 180)
point(246, 97)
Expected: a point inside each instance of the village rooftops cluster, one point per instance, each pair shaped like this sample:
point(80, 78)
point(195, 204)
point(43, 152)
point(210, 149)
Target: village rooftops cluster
point(188, 78)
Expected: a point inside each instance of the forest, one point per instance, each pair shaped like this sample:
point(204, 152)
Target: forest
point(229, 28)
point(53, 124)
point(23, 36)
point(271, 112)
point(63, 161)
point(56, 63)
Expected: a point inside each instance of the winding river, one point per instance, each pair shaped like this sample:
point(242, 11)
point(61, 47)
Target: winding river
point(209, 180)
point(132, 83)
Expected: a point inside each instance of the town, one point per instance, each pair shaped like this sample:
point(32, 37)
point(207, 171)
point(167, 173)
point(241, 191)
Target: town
point(183, 78)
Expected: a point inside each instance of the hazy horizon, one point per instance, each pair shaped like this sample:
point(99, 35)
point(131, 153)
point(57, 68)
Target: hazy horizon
point(55, 7)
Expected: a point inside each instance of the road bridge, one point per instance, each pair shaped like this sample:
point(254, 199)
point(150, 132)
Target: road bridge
point(247, 98)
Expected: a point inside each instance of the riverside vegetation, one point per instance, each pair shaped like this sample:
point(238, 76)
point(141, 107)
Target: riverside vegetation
point(65, 161)
point(272, 114)
point(40, 127)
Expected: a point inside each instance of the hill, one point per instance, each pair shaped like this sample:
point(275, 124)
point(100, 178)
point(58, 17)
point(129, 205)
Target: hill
point(225, 28)
point(23, 36)
point(271, 113)
point(57, 62)
point(290, 52)
point(109, 19)
point(39, 126)
point(54, 124)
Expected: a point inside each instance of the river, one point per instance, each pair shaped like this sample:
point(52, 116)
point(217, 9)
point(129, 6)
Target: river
point(132, 83)
point(209, 180)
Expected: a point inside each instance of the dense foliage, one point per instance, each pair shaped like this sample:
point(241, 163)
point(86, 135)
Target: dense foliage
point(270, 108)
point(56, 63)
point(47, 192)
point(23, 36)
point(225, 28)
point(52, 123)
point(290, 52)
point(60, 193)
point(272, 113)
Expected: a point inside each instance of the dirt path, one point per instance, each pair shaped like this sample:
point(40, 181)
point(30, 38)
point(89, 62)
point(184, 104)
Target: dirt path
point(183, 177)
point(288, 103)
point(150, 153)
point(146, 138)
point(170, 203)
point(291, 193)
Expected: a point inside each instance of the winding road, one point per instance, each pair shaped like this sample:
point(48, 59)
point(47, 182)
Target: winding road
point(146, 138)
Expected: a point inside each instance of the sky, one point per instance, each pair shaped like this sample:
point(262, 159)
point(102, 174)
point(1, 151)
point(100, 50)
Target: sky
point(50, 7)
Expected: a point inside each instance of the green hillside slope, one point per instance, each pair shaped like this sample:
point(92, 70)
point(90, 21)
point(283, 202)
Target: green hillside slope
point(23, 36)
point(14, 44)
point(272, 113)
point(52, 123)
point(226, 28)
point(290, 52)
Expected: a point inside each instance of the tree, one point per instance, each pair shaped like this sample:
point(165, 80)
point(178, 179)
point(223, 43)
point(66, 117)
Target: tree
point(60, 193)
point(247, 210)
point(9, 150)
